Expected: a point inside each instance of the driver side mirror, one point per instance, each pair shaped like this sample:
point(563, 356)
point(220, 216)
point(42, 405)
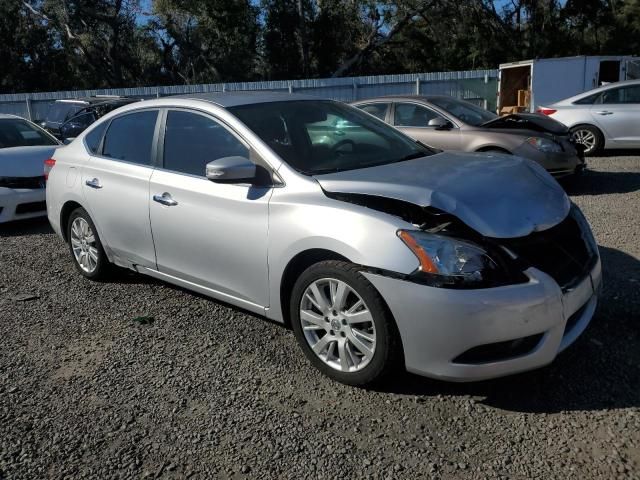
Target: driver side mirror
point(68, 140)
point(440, 123)
point(231, 170)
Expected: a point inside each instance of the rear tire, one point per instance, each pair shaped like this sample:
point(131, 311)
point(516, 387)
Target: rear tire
point(85, 246)
point(589, 136)
point(343, 325)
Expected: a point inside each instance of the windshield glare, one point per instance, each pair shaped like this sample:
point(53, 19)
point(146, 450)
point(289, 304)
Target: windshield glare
point(19, 133)
point(465, 111)
point(317, 137)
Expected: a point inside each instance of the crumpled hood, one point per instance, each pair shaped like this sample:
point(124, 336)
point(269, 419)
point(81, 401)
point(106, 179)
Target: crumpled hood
point(532, 122)
point(24, 161)
point(499, 196)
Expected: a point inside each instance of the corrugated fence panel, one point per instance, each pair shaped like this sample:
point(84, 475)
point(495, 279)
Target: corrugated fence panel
point(478, 86)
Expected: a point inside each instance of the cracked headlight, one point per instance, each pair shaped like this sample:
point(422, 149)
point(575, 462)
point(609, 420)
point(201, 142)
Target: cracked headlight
point(544, 144)
point(450, 259)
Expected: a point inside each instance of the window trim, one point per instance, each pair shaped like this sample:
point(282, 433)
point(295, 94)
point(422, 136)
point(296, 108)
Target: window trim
point(154, 149)
point(420, 104)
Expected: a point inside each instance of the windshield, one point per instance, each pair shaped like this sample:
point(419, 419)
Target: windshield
point(317, 137)
point(465, 111)
point(60, 111)
point(15, 132)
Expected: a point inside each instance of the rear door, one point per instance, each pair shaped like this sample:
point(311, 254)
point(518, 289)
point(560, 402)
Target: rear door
point(413, 119)
point(617, 113)
point(115, 181)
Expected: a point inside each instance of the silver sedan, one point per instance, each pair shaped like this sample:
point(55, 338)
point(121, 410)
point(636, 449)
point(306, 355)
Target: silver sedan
point(377, 251)
point(604, 118)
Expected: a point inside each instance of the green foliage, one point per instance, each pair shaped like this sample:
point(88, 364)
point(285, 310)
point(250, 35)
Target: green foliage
point(69, 44)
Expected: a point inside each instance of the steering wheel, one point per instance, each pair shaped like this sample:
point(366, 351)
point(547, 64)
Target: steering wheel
point(336, 148)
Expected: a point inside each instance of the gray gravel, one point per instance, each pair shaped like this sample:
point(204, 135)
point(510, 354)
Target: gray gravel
point(209, 391)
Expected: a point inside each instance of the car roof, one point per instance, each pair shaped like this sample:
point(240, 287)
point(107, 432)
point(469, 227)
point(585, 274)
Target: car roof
point(424, 98)
point(597, 90)
point(234, 99)
point(92, 100)
point(8, 115)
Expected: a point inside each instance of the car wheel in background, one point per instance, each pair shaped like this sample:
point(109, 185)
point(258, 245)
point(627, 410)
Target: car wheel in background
point(343, 324)
point(85, 246)
point(588, 136)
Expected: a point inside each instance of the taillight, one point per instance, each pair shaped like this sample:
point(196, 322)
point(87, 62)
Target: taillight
point(546, 111)
point(48, 165)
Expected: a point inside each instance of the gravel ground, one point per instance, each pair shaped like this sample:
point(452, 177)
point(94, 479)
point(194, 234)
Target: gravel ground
point(211, 392)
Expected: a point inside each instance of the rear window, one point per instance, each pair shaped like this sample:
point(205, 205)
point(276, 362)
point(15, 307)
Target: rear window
point(130, 137)
point(20, 133)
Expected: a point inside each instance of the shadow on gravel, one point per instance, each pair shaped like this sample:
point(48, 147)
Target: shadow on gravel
point(33, 226)
point(619, 153)
point(595, 182)
point(600, 371)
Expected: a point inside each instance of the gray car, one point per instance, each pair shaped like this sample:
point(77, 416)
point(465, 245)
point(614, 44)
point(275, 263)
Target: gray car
point(603, 118)
point(450, 124)
point(377, 251)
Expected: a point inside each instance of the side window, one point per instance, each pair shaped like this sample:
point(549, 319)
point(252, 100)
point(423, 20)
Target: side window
point(376, 109)
point(412, 115)
point(630, 94)
point(94, 136)
point(192, 140)
point(130, 137)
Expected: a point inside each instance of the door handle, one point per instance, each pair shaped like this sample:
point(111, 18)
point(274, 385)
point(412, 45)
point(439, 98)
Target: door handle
point(165, 199)
point(604, 112)
point(93, 183)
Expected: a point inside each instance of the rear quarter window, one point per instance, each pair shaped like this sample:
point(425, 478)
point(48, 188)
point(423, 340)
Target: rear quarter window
point(94, 137)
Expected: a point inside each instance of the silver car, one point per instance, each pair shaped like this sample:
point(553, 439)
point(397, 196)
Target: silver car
point(604, 118)
point(377, 251)
point(452, 124)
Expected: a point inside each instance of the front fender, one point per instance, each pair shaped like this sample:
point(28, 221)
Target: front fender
point(362, 235)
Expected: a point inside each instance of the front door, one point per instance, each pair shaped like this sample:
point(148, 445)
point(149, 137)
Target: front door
point(115, 182)
point(413, 119)
point(210, 234)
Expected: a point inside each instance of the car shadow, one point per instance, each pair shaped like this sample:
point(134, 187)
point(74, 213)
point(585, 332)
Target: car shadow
point(20, 228)
point(600, 371)
point(618, 153)
point(594, 182)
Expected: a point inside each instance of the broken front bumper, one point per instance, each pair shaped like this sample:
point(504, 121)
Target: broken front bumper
point(452, 334)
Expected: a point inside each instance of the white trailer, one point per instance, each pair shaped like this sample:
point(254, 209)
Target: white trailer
point(525, 85)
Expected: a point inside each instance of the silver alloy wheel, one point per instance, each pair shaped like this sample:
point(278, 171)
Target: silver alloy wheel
point(586, 138)
point(338, 325)
point(83, 243)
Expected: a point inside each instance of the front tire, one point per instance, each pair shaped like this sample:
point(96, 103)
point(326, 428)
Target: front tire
point(343, 325)
point(85, 246)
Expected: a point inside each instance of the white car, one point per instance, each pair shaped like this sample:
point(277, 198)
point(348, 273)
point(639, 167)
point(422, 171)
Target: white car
point(24, 148)
point(603, 118)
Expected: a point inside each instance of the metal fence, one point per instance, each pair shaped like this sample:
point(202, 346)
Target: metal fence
point(478, 86)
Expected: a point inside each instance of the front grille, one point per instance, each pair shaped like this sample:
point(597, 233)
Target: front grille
point(22, 182)
point(31, 207)
point(495, 352)
point(561, 252)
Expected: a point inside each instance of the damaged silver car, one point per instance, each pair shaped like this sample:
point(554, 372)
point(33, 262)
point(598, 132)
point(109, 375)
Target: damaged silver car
point(379, 252)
